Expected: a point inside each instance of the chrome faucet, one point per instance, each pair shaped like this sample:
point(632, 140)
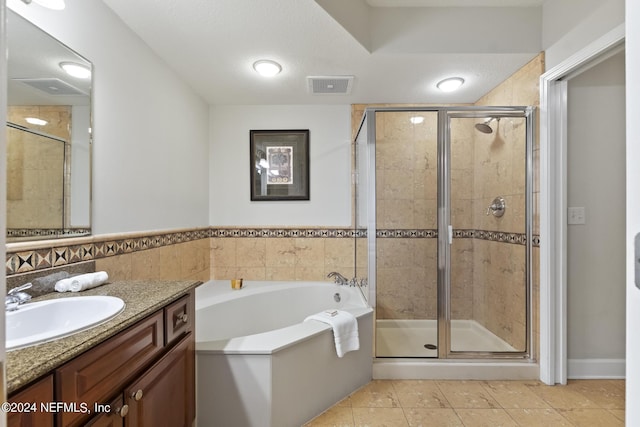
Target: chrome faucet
point(338, 278)
point(15, 297)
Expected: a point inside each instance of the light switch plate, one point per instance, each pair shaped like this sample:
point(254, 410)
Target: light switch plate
point(576, 215)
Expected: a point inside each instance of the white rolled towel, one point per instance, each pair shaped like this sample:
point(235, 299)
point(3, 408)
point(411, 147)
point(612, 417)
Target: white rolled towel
point(82, 282)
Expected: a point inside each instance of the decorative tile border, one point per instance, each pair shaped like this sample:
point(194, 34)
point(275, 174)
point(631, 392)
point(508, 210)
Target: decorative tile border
point(493, 236)
point(23, 261)
point(289, 232)
point(58, 254)
point(48, 233)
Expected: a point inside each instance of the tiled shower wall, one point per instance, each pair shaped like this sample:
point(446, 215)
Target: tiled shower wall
point(406, 199)
point(502, 297)
point(36, 170)
point(488, 252)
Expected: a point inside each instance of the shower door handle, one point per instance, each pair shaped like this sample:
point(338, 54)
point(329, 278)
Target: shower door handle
point(450, 233)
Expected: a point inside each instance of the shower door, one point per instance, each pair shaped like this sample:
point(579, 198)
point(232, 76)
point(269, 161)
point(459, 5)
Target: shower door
point(448, 229)
point(406, 246)
point(486, 283)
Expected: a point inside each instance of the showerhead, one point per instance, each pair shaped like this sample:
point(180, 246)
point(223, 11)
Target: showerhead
point(484, 127)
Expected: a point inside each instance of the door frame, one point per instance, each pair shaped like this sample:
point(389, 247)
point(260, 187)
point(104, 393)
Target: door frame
point(553, 200)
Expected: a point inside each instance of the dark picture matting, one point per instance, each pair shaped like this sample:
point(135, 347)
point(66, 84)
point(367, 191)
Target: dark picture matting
point(279, 162)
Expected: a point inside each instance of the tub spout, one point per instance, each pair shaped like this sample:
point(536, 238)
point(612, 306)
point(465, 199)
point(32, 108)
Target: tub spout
point(338, 278)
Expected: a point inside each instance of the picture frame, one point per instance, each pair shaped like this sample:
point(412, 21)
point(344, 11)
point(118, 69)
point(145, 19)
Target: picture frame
point(279, 164)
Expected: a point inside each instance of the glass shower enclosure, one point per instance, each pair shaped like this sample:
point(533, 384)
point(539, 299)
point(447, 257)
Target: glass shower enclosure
point(444, 194)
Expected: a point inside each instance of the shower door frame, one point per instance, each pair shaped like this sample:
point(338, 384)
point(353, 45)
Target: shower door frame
point(444, 218)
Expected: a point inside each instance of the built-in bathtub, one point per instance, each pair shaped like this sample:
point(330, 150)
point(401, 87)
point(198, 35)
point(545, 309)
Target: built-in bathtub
point(259, 364)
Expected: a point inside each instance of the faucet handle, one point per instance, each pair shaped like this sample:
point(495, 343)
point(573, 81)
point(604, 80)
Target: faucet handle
point(338, 278)
point(19, 289)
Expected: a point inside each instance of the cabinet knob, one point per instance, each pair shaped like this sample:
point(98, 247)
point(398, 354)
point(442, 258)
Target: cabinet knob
point(182, 317)
point(137, 395)
point(123, 411)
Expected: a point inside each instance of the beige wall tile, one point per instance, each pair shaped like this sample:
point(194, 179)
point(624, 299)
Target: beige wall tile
point(280, 273)
point(223, 252)
point(310, 253)
point(310, 273)
point(280, 253)
point(117, 267)
point(251, 252)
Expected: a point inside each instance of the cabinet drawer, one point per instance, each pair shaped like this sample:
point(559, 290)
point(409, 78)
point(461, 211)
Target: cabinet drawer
point(101, 372)
point(40, 392)
point(179, 317)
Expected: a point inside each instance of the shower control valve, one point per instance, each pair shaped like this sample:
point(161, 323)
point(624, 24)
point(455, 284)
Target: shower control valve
point(497, 207)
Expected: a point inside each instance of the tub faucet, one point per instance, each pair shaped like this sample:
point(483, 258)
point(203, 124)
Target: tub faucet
point(15, 297)
point(338, 278)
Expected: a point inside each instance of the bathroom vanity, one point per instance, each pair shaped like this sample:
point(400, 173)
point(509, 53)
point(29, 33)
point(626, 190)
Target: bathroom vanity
point(137, 369)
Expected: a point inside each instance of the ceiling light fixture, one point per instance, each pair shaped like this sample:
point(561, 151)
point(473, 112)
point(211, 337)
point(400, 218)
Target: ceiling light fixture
point(267, 68)
point(35, 121)
point(450, 84)
point(74, 69)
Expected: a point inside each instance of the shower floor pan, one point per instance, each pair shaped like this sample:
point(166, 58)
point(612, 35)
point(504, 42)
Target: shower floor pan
point(411, 338)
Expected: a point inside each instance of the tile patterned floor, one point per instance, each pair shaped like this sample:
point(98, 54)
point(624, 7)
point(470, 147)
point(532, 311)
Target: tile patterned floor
point(413, 403)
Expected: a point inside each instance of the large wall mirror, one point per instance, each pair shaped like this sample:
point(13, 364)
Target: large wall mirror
point(48, 136)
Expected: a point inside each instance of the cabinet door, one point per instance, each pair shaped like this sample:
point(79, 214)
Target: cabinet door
point(40, 392)
point(113, 417)
point(101, 372)
point(165, 394)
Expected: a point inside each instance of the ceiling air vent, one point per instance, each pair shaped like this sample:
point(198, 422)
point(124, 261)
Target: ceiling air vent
point(330, 85)
point(52, 86)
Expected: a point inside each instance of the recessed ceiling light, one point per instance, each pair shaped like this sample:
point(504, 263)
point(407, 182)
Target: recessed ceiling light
point(450, 84)
point(416, 120)
point(74, 69)
point(267, 68)
point(35, 121)
point(49, 4)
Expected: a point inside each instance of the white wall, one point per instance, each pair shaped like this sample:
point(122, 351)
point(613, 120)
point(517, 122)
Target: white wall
point(80, 209)
point(330, 165)
point(570, 25)
point(596, 250)
point(633, 209)
point(150, 150)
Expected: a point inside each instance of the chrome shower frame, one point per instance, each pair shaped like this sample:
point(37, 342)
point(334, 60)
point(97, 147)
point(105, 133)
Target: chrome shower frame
point(368, 123)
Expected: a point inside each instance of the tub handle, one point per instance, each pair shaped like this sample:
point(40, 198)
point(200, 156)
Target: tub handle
point(137, 395)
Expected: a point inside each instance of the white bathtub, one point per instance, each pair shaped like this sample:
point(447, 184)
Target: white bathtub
point(258, 364)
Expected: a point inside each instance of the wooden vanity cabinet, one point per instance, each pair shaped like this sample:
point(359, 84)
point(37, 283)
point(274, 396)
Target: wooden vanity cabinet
point(142, 376)
point(164, 395)
point(112, 418)
point(35, 394)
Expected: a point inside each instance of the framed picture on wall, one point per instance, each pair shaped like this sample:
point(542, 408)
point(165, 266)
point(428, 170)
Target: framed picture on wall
point(279, 164)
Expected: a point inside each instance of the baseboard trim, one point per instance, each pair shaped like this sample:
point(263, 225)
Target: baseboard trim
point(416, 369)
point(595, 369)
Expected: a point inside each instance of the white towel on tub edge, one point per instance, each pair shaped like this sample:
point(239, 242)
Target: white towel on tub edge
point(345, 330)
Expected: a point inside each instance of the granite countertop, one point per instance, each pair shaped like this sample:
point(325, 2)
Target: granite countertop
point(141, 297)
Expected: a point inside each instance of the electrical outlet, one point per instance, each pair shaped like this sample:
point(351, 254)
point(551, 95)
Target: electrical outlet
point(576, 215)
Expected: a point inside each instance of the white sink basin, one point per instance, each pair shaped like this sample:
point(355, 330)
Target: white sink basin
point(38, 322)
